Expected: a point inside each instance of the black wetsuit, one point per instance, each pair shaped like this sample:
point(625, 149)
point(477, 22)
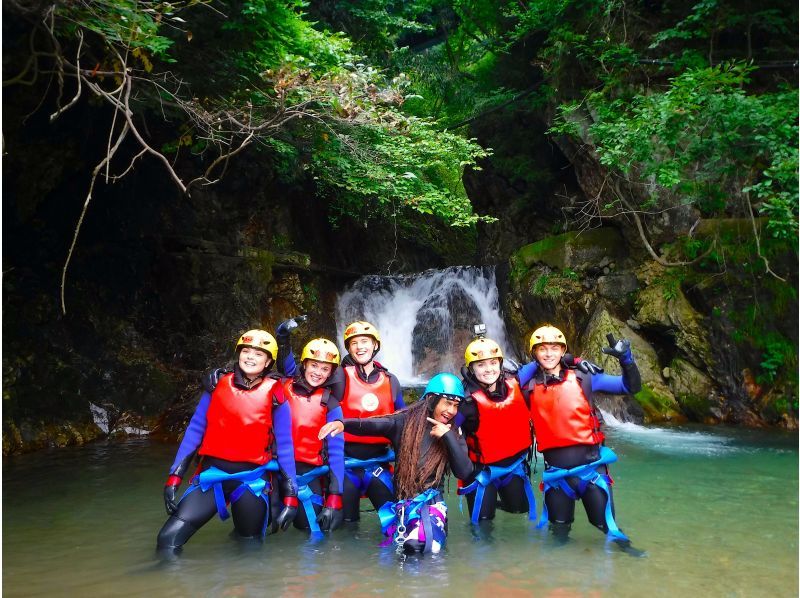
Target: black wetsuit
point(377, 492)
point(512, 496)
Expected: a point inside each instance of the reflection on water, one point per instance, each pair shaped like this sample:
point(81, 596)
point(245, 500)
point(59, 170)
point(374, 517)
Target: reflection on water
point(716, 511)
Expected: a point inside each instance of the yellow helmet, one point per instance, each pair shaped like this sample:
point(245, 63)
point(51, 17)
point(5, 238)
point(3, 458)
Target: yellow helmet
point(361, 328)
point(546, 334)
point(259, 339)
point(320, 349)
point(480, 349)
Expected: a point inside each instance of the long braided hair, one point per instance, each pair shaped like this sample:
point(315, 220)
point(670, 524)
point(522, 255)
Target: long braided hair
point(410, 478)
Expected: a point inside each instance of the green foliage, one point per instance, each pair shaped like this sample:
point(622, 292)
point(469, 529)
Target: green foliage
point(542, 286)
point(705, 138)
point(778, 354)
point(407, 163)
point(127, 23)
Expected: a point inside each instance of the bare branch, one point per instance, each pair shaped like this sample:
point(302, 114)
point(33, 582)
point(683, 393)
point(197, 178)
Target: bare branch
point(75, 99)
point(643, 235)
point(758, 240)
point(95, 172)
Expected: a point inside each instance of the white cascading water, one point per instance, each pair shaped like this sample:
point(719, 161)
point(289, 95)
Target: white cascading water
point(425, 320)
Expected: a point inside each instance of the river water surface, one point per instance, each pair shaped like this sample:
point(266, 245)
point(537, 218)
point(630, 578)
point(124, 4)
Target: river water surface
point(716, 510)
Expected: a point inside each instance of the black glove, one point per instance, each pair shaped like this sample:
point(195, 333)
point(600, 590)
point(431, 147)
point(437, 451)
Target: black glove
point(286, 516)
point(621, 349)
point(331, 515)
point(290, 503)
point(211, 379)
point(285, 328)
point(587, 367)
point(170, 493)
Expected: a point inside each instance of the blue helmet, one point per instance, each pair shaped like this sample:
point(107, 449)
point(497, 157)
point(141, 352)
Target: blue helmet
point(445, 384)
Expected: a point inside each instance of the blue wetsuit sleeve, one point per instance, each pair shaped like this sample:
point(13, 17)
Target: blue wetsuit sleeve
point(336, 454)
point(194, 432)
point(282, 426)
point(397, 393)
point(608, 383)
point(289, 365)
point(527, 372)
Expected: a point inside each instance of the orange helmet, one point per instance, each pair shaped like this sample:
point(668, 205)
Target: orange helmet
point(547, 334)
point(320, 349)
point(361, 328)
point(259, 339)
point(480, 349)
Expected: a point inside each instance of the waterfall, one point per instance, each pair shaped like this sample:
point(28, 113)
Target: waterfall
point(425, 320)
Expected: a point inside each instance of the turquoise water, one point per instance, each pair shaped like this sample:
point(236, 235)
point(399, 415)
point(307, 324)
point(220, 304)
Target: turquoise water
point(715, 509)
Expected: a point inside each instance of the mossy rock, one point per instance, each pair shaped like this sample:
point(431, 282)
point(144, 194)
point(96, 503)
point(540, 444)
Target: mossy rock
point(694, 391)
point(571, 250)
point(671, 312)
point(657, 401)
point(657, 406)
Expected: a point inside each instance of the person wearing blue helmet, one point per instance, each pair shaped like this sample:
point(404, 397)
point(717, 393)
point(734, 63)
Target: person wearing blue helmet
point(427, 446)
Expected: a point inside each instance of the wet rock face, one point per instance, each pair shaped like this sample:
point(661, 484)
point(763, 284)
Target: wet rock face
point(690, 366)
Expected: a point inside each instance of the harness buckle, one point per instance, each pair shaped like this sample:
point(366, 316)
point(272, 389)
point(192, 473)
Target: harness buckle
point(400, 532)
point(377, 471)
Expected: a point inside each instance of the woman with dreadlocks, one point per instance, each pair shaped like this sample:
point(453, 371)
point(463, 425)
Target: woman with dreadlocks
point(427, 447)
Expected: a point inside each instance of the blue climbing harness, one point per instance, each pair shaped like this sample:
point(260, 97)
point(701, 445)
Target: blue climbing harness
point(252, 480)
point(499, 477)
point(555, 477)
point(308, 498)
point(397, 517)
point(373, 468)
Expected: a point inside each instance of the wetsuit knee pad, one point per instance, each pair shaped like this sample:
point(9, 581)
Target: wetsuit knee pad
point(175, 533)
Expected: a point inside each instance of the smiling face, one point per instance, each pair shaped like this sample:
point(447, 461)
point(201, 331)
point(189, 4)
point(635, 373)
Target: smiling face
point(487, 371)
point(253, 361)
point(446, 409)
point(316, 372)
point(549, 356)
point(362, 348)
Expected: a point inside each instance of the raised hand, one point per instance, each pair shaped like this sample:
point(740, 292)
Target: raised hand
point(439, 429)
point(621, 349)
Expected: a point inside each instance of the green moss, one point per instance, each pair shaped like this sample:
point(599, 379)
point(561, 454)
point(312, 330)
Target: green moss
point(260, 262)
point(656, 406)
point(695, 407)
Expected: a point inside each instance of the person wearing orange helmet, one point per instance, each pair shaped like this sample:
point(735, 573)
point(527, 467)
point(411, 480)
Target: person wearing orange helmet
point(319, 463)
point(568, 432)
point(365, 388)
point(236, 430)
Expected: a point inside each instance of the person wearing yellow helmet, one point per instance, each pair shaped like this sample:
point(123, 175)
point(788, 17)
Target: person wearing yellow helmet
point(568, 432)
point(365, 388)
point(227, 431)
point(495, 417)
point(427, 446)
point(317, 461)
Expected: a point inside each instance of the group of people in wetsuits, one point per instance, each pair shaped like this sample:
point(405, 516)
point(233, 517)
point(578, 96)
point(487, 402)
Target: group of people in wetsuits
point(303, 447)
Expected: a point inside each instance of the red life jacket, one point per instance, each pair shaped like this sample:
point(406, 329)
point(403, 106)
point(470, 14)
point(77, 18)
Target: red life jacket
point(239, 422)
point(504, 428)
point(362, 399)
point(562, 414)
point(308, 416)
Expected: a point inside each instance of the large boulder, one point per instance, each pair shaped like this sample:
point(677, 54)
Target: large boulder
point(663, 308)
point(656, 399)
point(694, 391)
point(574, 250)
